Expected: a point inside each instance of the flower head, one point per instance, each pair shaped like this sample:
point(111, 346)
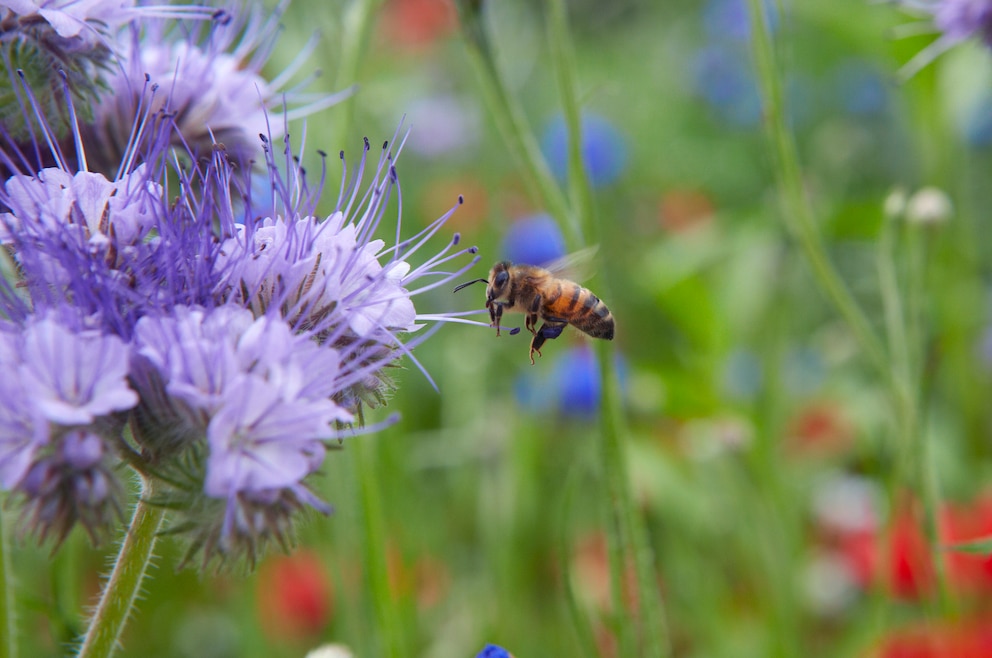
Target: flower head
point(62, 394)
point(208, 77)
point(236, 335)
point(957, 21)
point(66, 43)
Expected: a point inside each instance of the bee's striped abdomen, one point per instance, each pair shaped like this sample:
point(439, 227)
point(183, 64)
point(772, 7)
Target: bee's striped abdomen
point(581, 308)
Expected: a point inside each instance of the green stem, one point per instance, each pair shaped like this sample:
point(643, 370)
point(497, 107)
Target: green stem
point(631, 539)
point(121, 590)
point(798, 211)
point(8, 639)
point(510, 119)
point(563, 57)
point(356, 29)
point(905, 336)
point(376, 567)
point(580, 623)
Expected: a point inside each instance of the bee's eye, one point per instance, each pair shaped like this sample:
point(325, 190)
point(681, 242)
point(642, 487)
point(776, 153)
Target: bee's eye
point(501, 279)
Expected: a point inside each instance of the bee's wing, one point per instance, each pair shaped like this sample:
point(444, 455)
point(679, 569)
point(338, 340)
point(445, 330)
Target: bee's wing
point(576, 266)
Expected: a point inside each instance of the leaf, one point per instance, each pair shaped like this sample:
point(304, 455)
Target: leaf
point(981, 546)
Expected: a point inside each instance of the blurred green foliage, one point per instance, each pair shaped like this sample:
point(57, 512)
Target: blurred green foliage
point(747, 396)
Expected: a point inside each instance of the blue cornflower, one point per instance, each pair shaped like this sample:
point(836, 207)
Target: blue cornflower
point(723, 77)
point(604, 149)
point(493, 651)
point(730, 19)
point(535, 240)
point(861, 89)
point(573, 387)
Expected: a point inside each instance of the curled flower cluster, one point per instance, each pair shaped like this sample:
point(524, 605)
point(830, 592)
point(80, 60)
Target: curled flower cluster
point(213, 342)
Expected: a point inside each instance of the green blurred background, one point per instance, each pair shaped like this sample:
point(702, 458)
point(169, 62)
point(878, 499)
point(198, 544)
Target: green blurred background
point(763, 449)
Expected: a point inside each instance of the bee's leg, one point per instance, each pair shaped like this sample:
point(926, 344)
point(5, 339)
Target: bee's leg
point(496, 313)
point(531, 323)
point(548, 331)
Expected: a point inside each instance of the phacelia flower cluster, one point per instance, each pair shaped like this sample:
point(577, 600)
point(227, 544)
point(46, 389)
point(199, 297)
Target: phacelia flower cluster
point(163, 315)
point(956, 20)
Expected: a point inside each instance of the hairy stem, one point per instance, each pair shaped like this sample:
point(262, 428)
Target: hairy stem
point(8, 622)
point(387, 618)
point(121, 590)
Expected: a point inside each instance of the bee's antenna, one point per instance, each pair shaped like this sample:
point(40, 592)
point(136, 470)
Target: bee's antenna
point(457, 288)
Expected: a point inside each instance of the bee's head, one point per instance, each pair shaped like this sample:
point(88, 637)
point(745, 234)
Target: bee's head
point(499, 281)
point(497, 285)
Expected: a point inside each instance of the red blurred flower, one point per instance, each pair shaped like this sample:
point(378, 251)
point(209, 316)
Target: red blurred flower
point(471, 214)
point(969, 639)
point(963, 523)
point(427, 580)
point(906, 559)
point(413, 24)
point(294, 595)
point(821, 428)
point(910, 571)
point(682, 210)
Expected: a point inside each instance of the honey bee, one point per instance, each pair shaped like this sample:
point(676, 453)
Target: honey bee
point(541, 294)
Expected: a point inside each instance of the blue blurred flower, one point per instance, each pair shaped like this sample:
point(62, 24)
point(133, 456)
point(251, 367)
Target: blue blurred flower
point(723, 77)
point(604, 151)
point(535, 240)
point(580, 382)
point(804, 371)
point(977, 128)
point(862, 90)
point(493, 651)
point(723, 19)
point(743, 375)
point(572, 387)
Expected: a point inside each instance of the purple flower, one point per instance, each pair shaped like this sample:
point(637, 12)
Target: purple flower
point(66, 45)
point(234, 338)
point(105, 216)
point(89, 20)
point(73, 482)
point(259, 395)
point(493, 651)
point(209, 77)
point(23, 430)
point(74, 377)
point(957, 20)
point(60, 400)
point(962, 19)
